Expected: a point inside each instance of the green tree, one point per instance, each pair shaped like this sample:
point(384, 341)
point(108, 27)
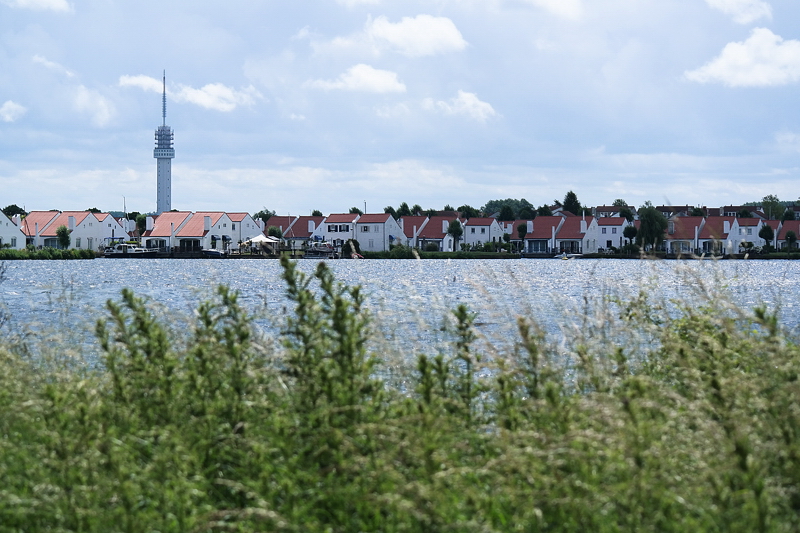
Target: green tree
point(141, 224)
point(652, 225)
point(275, 231)
point(264, 215)
point(768, 234)
point(455, 231)
point(316, 213)
point(133, 215)
point(356, 211)
point(772, 207)
point(544, 211)
point(527, 213)
point(506, 214)
point(626, 213)
point(572, 204)
point(403, 210)
point(697, 212)
point(390, 210)
point(416, 210)
point(13, 210)
point(467, 211)
point(619, 202)
point(431, 213)
point(62, 233)
point(448, 208)
point(744, 213)
point(791, 238)
point(94, 210)
point(788, 214)
point(630, 233)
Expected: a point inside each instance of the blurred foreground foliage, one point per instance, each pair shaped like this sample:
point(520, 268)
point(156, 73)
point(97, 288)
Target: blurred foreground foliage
point(215, 430)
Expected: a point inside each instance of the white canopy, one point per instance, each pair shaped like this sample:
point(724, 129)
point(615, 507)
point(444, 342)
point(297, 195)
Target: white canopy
point(262, 238)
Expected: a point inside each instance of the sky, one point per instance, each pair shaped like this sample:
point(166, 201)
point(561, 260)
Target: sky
point(331, 104)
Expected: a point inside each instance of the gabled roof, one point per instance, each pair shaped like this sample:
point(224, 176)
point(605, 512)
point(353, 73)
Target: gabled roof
point(341, 218)
point(789, 225)
point(63, 220)
point(611, 221)
point(571, 229)
point(299, 230)
point(43, 218)
point(282, 222)
point(744, 222)
point(380, 218)
point(524, 222)
point(195, 227)
point(543, 226)
point(433, 229)
point(479, 221)
point(409, 222)
point(683, 228)
point(237, 217)
point(714, 228)
point(163, 223)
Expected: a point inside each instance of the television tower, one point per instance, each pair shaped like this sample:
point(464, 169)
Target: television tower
point(164, 152)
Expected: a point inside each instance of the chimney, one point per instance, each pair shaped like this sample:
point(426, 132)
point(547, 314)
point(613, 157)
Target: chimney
point(149, 223)
point(71, 222)
point(444, 226)
point(206, 223)
point(530, 226)
point(311, 227)
point(726, 226)
point(17, 220)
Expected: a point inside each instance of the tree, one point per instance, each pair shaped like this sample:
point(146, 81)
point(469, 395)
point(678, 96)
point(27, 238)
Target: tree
point(630, 233)
point(506, 214)
point(791, 238)
point(431, 213)
point(788, 214)
point(133, 215)
point(744, 213)
point(467, 211)
point(403, 210)
point(544, 211)
point(522, 230)
point(527, 213)
point(697, 212)
point(316, 213)
point(768, 234)
point(94, 210)
point(141, 224)
point(772, 207)
point(356, 211)
point(62, 233)
point(448, 208)
point(390, 210)
point(572, 204)
point(13, 210)
point(652, 225)
point(264, 215)
point(416, 210)
point(275, 231)
point(626, 213)
point(619, 202)
point(456, 231)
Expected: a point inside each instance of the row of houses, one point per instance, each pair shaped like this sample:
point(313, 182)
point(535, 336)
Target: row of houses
point(562, 232)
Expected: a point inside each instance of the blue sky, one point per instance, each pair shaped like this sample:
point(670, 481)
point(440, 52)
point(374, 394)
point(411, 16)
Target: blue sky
point(329, 104)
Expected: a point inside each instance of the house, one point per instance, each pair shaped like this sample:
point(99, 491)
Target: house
point(714, 236)
point(786, 227)
point(34, 224)
point(411, 226)
point(377, 233)
point(540, 237)
point(300, 231)
point(745, 230)
point(776, 227)
point(610, 211)
point(683, 234)
point(161, 230)
point(244, 227)
point(434, 233)
point(283, 223)
point(337, 229)
point(569, 237)
point(603, 233)
point(11, 236)
point(480, 230)
point(205, 231)
point(670, 211)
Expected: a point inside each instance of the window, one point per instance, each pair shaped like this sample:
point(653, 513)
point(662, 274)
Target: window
point(483, 230)
point(604, 231)
point(749, 231)
point(472, 230)
point(77, 242)
point(364, 229)
point(614, 231)
point(13, 242)
point(344, 228)
point(333, 228)
point(233, 226)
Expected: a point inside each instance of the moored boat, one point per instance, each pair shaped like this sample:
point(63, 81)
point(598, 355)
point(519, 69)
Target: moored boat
point(122, 249)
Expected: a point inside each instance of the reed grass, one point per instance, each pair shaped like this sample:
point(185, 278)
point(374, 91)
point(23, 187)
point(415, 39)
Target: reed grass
point(636, 419)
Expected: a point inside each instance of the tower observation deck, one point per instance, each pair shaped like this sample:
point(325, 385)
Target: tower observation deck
point(164, 152)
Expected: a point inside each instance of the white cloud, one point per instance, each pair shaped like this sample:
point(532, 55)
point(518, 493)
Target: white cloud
point(363, 78)
point(212, 96)
point(216, 96)
point(96, 105)
point(743, 11)
point(39, 5)
point(764, 59)
point(52, 65)
point(569, 9)
point(464, 103)
point(422, 35)
point(11, 111)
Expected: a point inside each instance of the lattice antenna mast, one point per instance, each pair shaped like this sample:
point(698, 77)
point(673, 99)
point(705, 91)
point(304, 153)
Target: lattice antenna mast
point(164, 100)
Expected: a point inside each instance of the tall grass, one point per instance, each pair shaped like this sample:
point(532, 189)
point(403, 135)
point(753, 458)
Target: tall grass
point(217, 429)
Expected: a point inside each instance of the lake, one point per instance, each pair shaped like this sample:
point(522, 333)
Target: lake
point(410, 298)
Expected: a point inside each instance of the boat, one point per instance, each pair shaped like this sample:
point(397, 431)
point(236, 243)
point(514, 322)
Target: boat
point(565, 255)
point(122, 249)
point(214, 253)
point(320, 250)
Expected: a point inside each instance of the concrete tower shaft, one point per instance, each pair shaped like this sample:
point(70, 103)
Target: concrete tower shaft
point(164, 152)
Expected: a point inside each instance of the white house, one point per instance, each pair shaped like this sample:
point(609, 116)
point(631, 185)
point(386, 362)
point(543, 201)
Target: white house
point(376, 233)
point(745, 230)
point(301, 230)
point(87, 230)
point(480, 230)
point(337, 229)
point(412, 225)
point(34, 225)
point(604, 232)
point(207, 231)
point(11, 236)
point(540, 237)
point(161, 230)
point(714, 236)
point(434, 232)
point(683, 234)
point(244, 227)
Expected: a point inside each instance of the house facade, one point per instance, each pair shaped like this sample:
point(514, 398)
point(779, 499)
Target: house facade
point(603, 233)
point(11, 236)
point(161, 230)
point(87, 230)
point(714, 236)
point(540, 237)
point(434, 231)
point(683, 235)
point(480, 230)
point(377, 233)
point(337, 229)
point(299, 233)
point(569, 237)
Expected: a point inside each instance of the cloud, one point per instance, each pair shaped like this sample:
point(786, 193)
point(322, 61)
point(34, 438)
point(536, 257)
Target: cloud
point(464, 103)
point(39, 5)
point(53, 66)
point(423, 35)
point(363, 78)
point(569, 9)
point(764, 59)
point(743, 11)
point(11, 111)
point(96, 105)
point(214, 96)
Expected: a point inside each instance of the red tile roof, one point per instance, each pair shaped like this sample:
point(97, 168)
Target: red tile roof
point(195, 227)
point(542, 227)
point(282, 222)
point(433, 229)
point(683, 228)
point(714, 228)
point(374, 218)
point(341, 218)
point(410, 222)
point(63, 220)
point(163, 223)
point(789, 225)
point(43, 218)
point(299, 230)
point(571, 229)
point(479, 221)
point(609, 221)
